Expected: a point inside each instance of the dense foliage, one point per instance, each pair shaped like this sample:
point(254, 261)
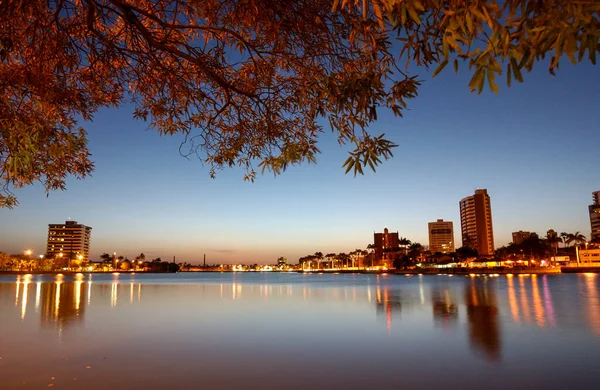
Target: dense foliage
point(249, 82)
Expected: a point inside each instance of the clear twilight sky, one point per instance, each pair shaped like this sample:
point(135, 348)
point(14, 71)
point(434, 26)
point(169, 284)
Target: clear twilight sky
point(534, 147)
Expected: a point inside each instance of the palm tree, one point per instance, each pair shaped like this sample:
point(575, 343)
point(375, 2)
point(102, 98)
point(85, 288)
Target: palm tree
point(354, 255)
point(331, 258)
point(415, 250)
point(371, 248)
point(404, 242)
point(553, 241)
point(319, 258)
point(565, 237)
point(576, 238)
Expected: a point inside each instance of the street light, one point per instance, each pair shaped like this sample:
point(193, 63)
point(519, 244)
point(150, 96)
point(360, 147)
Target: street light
point(80, 258)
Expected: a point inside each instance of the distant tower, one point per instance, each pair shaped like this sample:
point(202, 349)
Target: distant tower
point(441, 236)
point(594, 210)
point(476, 222)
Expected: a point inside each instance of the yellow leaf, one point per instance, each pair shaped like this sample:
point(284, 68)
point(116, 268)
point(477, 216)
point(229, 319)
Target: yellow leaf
point(413, 15)
point(440, 67)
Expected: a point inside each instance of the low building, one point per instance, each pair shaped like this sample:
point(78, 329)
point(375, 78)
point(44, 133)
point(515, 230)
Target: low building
point(589, 257)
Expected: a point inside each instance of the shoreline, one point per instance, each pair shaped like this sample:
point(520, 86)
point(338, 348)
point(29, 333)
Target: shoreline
point(421, 271)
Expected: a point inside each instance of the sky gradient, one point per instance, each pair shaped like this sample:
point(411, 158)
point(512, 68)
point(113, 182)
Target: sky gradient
point(534, 147)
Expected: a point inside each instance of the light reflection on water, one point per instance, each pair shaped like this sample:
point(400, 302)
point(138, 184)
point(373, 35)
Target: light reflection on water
point(299, 331)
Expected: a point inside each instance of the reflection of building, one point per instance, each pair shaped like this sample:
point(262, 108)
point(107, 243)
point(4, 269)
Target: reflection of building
point(71, 240)
point(476, 222)
point(593, 304)
point(482, 314)
point(385, 244)
point(62, 304)
point(445, 311)
point(594, 210)
point(441, 236)
point(520, 236)
point(387, 302)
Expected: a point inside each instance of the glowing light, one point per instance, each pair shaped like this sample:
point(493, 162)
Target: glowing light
point(512, 301)
point(524, 300)
point(131, 294)
point(114, 294)
point(57, 298)
point(24, 299)
point(548, 301)
point(18, 287)
point(38, 295)
point(78, 294)
point(593, 304)
point(538, 309)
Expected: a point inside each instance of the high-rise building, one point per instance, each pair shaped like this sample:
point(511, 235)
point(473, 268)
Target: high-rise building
point(520, 236)
point(594, 210)
point(476, 222)
point(383, 244)
point(70, 240)
point(441, 236)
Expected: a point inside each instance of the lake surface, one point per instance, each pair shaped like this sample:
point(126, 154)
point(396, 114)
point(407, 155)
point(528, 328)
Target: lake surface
point(296, 331)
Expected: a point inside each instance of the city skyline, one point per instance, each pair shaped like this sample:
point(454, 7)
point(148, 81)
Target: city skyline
point(531, 146)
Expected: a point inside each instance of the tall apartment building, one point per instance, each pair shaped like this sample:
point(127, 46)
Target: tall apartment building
point(441, 236)
point(476, 222)
point(69, 239)
point(594, 210)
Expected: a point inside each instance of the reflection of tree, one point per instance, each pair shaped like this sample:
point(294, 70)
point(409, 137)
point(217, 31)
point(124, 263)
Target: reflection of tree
point(61, 303)
point(444, 310)
point(482, 313)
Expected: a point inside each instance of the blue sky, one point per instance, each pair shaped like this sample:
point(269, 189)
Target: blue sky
point(534, 147)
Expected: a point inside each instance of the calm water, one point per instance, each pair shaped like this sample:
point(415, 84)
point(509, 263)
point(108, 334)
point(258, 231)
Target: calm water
point(294, 331)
